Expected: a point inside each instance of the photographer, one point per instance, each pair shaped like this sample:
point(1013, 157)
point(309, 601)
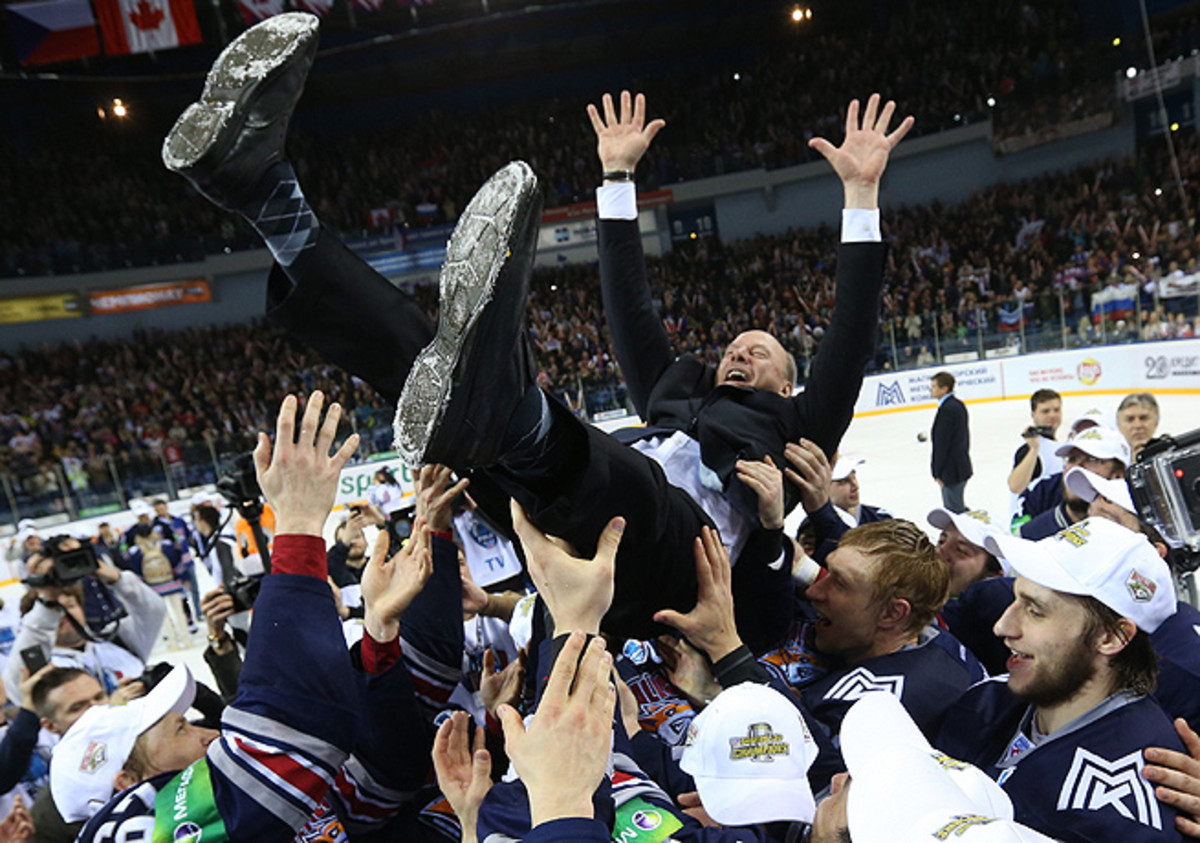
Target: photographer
point(1036, 457)
point(57, 622)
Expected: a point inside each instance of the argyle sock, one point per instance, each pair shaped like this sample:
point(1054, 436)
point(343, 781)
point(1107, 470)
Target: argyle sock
point(280, 214)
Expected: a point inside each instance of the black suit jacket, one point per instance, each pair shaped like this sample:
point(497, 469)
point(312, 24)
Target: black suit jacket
point(951, 440)
point(732, 423)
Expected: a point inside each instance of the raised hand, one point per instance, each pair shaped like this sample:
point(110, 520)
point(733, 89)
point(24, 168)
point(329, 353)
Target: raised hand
point(688, 670)
point(389, 585)
point(863, 155)
point(435, 496)
point(563, 754)
point(298, 476)
point(622, 141)
point(577, 591)
point(710, 624)
point(766, 481)
point(812, 473)
point(463, 778)
point(501, 687)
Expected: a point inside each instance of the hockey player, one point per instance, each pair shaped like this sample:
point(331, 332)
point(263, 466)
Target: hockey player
point(1063, 733)
point(310, 746)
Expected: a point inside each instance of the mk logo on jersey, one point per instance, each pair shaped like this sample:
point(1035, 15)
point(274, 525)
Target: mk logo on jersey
point(1094, 783)
point(861, 681)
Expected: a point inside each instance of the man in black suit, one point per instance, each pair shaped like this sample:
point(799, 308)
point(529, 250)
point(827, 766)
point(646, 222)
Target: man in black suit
point(467, 395)
point(951, 462)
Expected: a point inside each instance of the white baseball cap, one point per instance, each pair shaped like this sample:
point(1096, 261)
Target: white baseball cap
point(975, 525)
point(1087, 484)
point(140, 507)
point(902, 789)
point(86, 761)
point(200, 499)
point(27, 524)
point(749, 752)
point(1094, 417)
point(1096, 558)
point(845, 466)
point(1098, 442)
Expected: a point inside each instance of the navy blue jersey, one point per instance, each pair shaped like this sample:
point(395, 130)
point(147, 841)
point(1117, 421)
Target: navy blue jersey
point(1177, 643)
point(1081, 785)
point(1047, 524)
point(1043, 495)
point(927, 678)
point(972, 617)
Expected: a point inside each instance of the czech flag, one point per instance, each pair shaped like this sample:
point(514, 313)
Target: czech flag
point(49, 31)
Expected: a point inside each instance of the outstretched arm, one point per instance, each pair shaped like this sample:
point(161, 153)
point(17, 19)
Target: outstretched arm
point(827, 403)
point(639, 340)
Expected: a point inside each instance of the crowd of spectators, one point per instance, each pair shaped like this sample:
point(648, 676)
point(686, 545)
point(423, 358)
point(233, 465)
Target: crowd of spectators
point(1034, 253)
point(100, 199)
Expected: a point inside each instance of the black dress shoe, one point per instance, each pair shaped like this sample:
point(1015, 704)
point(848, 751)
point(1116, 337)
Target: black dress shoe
point(464, 386)
point(226, 141)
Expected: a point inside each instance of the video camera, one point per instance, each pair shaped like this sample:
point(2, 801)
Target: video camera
point(1165, 485)
point(70, 565)
point(238, 482)
point(1034, 430)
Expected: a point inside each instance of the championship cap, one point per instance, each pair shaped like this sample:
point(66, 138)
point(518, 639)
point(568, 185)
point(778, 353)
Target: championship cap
point(1098, 442)
point(749, 752)
point(975, 525)
point(845, 466)
point(1087, 484)
point(97, 745)
point(27, 524)
point(901, 789)
point(1096, 558)
point(1094, 417)
point(140, 507)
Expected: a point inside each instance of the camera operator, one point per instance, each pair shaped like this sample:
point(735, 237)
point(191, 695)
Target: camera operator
point(1036, 457)
point(57, 622)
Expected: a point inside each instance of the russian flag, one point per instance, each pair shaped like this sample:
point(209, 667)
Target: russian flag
point(48, 31)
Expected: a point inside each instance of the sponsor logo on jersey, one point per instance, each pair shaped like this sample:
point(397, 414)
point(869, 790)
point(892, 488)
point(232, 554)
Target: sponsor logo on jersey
point(761, 743)
point(958, 826)
point(859, 681)
point(187, 833)
point(647, 820)
point(94, 757)
point(1095, 784)
point(1140, 588)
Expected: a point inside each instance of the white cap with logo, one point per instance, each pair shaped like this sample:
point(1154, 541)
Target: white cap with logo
point(98, 744)
point(1088, 484)
point(749, 752)
point(1098, 442)
point(975, 525)
point(902, 789)
point(1096, 558)
point(140, 507)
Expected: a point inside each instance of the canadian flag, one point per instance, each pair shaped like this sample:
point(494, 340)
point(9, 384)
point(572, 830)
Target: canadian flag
point(139, 26)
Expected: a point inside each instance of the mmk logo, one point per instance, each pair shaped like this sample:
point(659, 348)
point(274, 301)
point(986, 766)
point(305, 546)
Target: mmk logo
point(889, 393)
point(1094, 783)
point(861, 681)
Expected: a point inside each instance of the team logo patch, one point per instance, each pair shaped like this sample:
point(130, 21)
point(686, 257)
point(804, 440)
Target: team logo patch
point(483, 535)
point(958, 826)
point(636, 651)
point(1094, 783)
point(761, 743)
point(859, 681)
point(187, 833)
point(1140, 588)
point(94, 757)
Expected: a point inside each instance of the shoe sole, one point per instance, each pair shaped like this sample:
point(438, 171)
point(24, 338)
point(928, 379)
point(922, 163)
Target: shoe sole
point(475, 255)
point(252, 60)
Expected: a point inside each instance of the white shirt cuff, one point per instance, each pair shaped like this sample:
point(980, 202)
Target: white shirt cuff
point(617, 201)
point(860, 225)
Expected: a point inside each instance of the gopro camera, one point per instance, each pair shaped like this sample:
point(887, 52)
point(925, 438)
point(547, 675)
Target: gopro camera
point(1165, 484)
